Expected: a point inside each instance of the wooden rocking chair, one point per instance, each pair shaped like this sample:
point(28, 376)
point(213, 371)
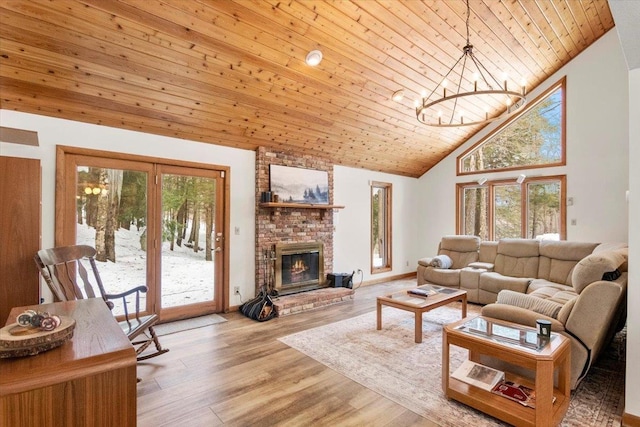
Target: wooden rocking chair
point(71, 274)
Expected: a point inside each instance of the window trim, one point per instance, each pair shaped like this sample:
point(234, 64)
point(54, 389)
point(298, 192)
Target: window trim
point(461, 186)
point(562, 83)
point(388, 264)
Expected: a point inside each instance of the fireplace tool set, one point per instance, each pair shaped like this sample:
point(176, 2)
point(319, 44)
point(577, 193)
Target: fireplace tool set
point(269, 257)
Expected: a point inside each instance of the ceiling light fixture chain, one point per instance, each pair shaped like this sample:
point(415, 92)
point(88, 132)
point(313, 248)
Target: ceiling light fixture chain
point(460, 107)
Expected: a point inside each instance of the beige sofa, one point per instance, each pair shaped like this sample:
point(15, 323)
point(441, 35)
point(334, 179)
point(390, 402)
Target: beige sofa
point(522, 280)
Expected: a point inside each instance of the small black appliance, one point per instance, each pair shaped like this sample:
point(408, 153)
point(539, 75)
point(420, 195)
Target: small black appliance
point(340, 280)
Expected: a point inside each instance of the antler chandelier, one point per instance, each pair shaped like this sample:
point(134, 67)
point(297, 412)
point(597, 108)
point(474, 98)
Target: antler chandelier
point(472, 101)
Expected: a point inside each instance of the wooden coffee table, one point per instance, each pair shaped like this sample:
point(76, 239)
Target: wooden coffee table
point(418, 304)
point(519, 346)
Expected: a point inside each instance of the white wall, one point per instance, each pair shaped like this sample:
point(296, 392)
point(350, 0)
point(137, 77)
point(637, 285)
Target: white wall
point(632, 404)
point(352, 237)
point(597, 154)
point(52, 132)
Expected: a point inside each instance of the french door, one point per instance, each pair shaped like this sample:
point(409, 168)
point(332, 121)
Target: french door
point(151, 223)
point(191, 213)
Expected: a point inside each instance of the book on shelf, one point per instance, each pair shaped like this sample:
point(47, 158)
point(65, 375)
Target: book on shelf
point(478, 375)
point(517, 392)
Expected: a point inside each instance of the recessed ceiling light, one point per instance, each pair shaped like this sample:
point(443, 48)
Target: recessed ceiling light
point(313, 58)
point(398, 95)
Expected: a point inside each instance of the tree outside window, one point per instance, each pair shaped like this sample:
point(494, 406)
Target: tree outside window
point(535, 138)
point(506, 209)
point(533, 208)
point(380, 227)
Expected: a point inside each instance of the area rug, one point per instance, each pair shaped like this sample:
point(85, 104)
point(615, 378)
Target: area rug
point(391, 364)
point(183, 325)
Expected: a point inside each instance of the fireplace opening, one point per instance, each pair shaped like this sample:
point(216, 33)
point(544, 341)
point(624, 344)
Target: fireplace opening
point(299, 267)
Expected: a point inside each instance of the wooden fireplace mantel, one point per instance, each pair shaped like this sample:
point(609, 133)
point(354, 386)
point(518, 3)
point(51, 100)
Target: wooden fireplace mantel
point(322, 208)
point(298, 205)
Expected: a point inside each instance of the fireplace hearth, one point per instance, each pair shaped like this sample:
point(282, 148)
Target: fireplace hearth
point(299, 267)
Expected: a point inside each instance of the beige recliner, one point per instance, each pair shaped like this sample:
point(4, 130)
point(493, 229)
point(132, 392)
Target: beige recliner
point(461, 250)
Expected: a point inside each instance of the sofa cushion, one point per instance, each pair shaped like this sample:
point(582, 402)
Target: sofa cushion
point(460, 243)
point(564, 250)
point(519, 248)
point(529, 302)
point(488, 251)
point(556, 270)
point(495, 282)
point(594, 266)
point(558, 258)
point(549, 286)
point(517, 257)
point(565, 311)
point(621, 248)
point(461, 249)
point(560, 294)
point(443, 277)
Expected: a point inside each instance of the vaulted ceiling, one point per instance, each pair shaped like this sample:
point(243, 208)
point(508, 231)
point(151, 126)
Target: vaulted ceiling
point(233, 73)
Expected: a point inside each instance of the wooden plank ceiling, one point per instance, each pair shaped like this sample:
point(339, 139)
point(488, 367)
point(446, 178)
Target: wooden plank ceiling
point(233, 73)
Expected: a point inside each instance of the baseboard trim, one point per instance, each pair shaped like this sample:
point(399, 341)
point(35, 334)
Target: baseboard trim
point(386, 279)
point(629, 420)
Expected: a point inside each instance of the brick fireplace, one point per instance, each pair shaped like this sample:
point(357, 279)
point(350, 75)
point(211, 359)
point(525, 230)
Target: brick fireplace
point(280, 226)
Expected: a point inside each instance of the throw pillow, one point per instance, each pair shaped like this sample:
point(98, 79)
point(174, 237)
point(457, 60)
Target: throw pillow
point(593, 267)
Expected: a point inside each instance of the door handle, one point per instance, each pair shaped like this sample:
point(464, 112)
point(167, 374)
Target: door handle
point(218, 249)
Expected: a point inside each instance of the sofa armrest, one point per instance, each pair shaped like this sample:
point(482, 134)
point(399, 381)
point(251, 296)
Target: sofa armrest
point(470, 282)
point(491, 283)
point(487, 266)
point(594, 312)
point(425, 262)
point(495, 282)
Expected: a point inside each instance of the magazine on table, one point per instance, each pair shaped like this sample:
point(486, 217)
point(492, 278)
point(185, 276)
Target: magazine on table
point(478, 375)
point(423, 292)
point(517, 392)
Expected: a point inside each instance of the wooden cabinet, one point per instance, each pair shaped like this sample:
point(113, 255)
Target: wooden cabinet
point(89, 380)
point(20, 221)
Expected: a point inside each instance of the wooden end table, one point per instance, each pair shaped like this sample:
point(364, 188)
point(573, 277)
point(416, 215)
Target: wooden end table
point(519, 346)
point(403, 300)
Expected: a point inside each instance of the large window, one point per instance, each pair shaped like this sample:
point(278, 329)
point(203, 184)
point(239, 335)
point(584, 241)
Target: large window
point(380, 227)
point(499, 209)
point(535, 138)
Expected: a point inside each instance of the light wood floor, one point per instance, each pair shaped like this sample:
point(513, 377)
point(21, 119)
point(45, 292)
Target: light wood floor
point(237, 373)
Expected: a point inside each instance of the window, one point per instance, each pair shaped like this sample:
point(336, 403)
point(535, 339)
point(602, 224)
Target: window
point(501, 209)
point(533, 139)
point(380, 227)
